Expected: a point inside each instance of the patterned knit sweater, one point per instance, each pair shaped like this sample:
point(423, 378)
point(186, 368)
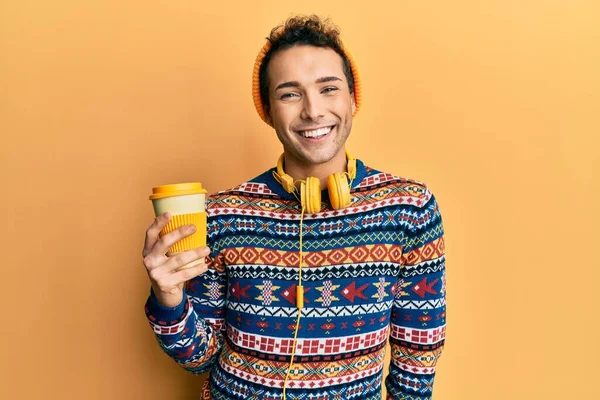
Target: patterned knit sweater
point(372, 272)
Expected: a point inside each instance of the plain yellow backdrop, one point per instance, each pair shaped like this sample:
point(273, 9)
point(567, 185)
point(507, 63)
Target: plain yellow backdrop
point(494, 104)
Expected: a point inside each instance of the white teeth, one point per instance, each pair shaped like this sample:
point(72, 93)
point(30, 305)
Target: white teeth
point(316, 133)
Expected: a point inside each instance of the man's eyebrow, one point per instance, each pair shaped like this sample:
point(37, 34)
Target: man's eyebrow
point(328, 79)
point(297, 84)
point(288, 84)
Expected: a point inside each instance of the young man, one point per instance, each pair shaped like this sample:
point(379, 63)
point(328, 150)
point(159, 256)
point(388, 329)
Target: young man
point(305, 280)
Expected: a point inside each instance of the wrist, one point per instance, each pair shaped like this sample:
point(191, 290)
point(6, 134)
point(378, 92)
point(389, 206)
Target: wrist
point(163, 315)
point(167, 300)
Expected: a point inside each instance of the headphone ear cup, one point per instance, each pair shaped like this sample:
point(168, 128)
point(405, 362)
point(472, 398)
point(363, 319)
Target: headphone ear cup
point(310, 194)
point(339, 191)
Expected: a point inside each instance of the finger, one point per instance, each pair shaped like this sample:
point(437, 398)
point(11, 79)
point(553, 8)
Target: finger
point(163, 244)
point(187, 274)
point(179, 260)
point(168, 283)
point(153, 232)
point(169, 280)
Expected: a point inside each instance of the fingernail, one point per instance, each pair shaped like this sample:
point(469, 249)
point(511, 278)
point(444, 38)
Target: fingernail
point(192, 227)
point(167, 215)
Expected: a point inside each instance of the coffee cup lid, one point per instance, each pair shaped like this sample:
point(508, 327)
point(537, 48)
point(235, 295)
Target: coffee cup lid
point(176, 189)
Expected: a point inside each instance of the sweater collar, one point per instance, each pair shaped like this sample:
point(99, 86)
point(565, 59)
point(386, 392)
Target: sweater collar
point(276, 187)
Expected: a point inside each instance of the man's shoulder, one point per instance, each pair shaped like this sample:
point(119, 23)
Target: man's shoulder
point(414, 191)
point(255, 188)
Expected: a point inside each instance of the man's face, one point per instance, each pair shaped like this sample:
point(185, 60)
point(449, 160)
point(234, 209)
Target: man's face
point(310, 104)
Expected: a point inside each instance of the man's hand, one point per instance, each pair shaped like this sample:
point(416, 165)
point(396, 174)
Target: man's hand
point(167, 283)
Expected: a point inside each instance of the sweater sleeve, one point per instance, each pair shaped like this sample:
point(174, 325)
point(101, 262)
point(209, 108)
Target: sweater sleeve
point(191, 333)
point(418, 323)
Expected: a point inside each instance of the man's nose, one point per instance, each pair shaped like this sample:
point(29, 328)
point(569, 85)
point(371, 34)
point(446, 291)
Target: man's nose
point(312, 107)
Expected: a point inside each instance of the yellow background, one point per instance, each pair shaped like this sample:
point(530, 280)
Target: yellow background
point(494, 104)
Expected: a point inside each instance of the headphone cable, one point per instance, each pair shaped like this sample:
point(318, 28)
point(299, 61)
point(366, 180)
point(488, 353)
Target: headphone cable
point(299, 305)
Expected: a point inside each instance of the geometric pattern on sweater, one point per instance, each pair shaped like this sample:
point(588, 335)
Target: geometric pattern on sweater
point(421, 305)
point(254, 370)
point(375, 266)
point(354, 270)
point(419, 384)
point(416, 358)
point(416, 370)
point(320, 374)
point(336, 256)
point(290, 213)
point(230, 387)
point(348, 221)
point(252, 188)
point(425, 267)
point(396, 394)
point(325, 346)
point(377, 179)
point(309, 312)
point(418, 336)
point(427, 251)
point(267, 292)
point(391, 192)
point(252, 242)
point(318, 358)
point(243, 218)
point(207, 302)
point(340, 222)
point(344, 224)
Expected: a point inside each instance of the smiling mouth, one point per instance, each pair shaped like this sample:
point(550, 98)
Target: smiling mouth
point(316, 133)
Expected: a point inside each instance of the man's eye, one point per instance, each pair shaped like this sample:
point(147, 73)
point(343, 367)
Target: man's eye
point(329, 89)
point(287, 95)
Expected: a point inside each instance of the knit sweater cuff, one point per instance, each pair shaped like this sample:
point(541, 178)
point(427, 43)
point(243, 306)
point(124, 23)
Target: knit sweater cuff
point(167, 320)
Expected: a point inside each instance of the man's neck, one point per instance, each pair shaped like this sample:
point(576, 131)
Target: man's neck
point(300, 171)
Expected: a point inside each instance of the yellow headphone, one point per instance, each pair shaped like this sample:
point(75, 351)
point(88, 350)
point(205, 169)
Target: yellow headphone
point(310, 190)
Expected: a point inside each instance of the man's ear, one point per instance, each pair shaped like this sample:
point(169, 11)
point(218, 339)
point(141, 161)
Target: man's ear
point(353, 104)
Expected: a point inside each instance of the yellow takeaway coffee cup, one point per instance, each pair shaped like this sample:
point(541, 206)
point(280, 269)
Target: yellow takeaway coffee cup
point(186, 202)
